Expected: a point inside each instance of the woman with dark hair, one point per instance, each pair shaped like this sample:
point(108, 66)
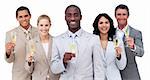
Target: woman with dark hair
point(112, 47)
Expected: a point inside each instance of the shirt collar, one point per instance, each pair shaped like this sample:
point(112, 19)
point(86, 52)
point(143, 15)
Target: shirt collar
point(78, 33)
point(26, 31)
point(124, 29)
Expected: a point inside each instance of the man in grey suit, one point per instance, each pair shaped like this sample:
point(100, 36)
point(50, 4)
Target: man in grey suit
point(15, 44)
point(133, 43)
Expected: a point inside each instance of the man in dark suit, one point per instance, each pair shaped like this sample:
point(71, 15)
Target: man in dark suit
point(133, 43)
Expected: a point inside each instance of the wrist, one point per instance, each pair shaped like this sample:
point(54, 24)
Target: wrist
point(132, 47)
point(65, 63)
point(118, 57)
point(8, 54)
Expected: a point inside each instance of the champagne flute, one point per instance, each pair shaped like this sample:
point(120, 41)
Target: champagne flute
point(127, 32)
point(32, 49)
point(13, 39)
point(72, 48)
point(126, 35)
point(116, 42)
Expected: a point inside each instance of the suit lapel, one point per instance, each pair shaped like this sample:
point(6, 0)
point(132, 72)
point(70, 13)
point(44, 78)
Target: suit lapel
point(42, 51)
point(110, 53)
point(33, 31)
point(103, 57)
point(131, 32)
point(49, 49)
point(21, 33)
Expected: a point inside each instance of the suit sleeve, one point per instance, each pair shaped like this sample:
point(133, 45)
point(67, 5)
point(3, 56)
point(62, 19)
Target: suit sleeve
point(139, 51)
point(121, 64)
point(57, 65)
point(97, 61)
point(10, 58)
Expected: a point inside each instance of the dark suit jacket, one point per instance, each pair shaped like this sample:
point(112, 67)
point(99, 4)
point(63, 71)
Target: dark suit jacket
point(131, 71)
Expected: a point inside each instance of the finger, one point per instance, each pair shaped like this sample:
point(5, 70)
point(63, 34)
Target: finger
point(118, 50)
point(73, 55)
point(67, 57)
point(10, 46)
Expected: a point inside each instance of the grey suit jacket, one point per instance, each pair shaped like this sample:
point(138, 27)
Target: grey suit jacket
point(18, 58)
point(131, 71)
point(40, 69)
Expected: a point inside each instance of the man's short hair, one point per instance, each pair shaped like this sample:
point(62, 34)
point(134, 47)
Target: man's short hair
point(22, 8)
point(122, 6)
point(73, 6)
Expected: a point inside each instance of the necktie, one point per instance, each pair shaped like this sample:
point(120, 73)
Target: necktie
point(27, 35)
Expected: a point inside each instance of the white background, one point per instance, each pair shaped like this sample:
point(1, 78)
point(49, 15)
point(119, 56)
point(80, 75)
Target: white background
point(139, 19)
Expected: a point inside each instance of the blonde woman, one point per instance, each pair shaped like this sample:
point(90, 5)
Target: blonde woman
point(39, 52)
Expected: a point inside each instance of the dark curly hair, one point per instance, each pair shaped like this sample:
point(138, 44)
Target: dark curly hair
point(111, 31)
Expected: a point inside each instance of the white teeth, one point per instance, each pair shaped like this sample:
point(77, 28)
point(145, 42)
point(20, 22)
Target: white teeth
point(43, 31)
point(24, 22)
point(104, 28)
point(72, 22)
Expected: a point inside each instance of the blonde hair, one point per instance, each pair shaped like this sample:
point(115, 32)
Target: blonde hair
point(44, 17)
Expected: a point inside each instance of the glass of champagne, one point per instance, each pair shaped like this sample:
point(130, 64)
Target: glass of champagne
point(126, 36)
point(32, 49)
point(115, 41)
point(127, 32)
point(116, 44)
point(13, 39)
point(72, 49)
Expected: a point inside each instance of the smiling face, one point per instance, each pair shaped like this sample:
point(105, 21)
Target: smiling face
point(24, 18)
point(121, 16)
point(73, 17)
point(103, 25)
point(44, 26)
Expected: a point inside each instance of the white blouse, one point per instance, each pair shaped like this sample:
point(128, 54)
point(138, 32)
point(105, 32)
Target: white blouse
point(45, 46)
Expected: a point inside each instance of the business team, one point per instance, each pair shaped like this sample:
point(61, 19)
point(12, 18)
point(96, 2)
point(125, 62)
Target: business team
point(107, 54)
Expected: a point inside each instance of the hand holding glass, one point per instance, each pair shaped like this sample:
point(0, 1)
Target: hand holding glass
point(13, 39)
point(32, 50)
point(126, 36)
